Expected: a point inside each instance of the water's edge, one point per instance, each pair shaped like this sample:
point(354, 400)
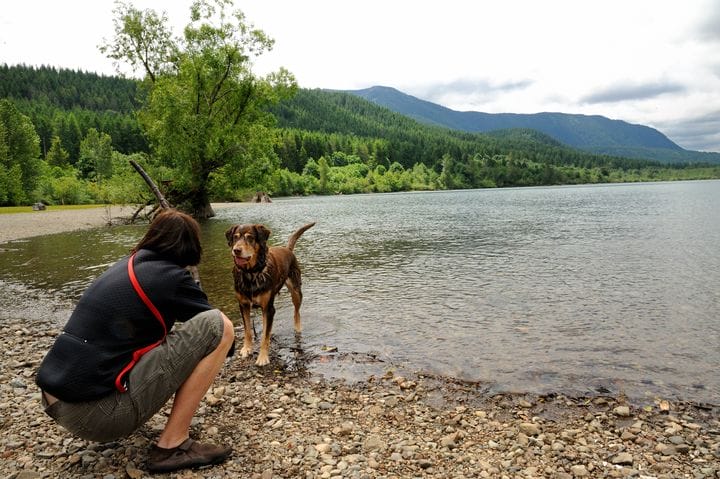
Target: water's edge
point(580, 291)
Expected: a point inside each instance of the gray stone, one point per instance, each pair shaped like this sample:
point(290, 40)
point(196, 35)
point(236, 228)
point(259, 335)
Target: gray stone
point(374, 443)
point(579, 471)
point(529, 429)
point(622, 411)
point(28, 475)
point(623, 458)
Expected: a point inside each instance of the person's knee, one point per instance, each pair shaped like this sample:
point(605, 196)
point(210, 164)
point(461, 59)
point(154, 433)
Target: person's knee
point(228, 331)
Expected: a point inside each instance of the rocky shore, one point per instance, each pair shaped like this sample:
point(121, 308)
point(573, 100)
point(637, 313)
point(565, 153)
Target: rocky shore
point(284, 423)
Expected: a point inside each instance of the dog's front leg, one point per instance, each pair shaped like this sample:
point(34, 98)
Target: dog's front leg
point(245, 310)
point(268, 316)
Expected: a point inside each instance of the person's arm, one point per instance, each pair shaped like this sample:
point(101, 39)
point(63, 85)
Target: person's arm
point(189, 299)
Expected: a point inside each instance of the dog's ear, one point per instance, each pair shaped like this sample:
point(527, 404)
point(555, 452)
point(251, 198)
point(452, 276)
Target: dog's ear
point(262, 233)
point(229, 234)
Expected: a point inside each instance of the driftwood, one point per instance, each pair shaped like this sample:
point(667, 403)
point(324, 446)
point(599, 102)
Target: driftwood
point(164, 204)
point(261, 197)
point(142, 208)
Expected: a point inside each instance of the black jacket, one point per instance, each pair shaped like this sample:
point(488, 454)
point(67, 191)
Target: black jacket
point(110, 322)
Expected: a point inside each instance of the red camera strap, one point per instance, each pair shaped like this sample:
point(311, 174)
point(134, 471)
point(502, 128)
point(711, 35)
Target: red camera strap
point(140, 352)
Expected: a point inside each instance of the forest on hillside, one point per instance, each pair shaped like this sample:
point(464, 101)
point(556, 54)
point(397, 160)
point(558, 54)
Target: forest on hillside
point(66, 137)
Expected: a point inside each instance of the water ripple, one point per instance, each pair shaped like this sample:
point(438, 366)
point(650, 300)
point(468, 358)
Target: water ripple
point(611, 288)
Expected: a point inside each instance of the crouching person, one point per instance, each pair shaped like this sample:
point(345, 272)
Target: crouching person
point(142, 332)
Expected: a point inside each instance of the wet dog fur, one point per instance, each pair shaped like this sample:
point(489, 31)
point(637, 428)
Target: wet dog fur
point(260, 271)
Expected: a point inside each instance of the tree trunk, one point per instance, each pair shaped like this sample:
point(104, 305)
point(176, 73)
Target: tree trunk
point(199, 203)
point(203, 211)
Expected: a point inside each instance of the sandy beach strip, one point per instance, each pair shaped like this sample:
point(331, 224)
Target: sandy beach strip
point(14, 226)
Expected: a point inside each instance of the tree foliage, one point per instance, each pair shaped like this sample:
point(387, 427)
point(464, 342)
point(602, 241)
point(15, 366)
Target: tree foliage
point(204, 108)
point(96, 152)
point(86, 142)
point(56, 155)
point(19, 156)
point(66, 104)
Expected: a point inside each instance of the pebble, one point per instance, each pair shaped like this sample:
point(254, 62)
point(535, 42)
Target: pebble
point(622, 411)
point(623, 458)
point(529, 429)
point(579, 471)
point(288, 425)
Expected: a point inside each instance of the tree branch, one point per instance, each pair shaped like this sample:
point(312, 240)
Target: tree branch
point(156, 191)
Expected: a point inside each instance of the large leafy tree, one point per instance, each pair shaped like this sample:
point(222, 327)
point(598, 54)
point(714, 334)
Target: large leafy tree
point(203, 109)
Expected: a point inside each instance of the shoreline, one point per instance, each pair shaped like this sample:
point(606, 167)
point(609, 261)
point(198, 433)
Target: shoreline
point(287, 424)
point(16, 226)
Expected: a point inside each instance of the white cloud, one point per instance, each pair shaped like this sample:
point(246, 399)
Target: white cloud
point(519, 56)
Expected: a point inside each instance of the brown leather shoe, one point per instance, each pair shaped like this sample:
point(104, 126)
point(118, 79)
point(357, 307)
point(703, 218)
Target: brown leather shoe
point(189, 454)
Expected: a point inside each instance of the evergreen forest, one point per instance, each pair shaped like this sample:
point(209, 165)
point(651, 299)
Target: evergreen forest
point(66, 137)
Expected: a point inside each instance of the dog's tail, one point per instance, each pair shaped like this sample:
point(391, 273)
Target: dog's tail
point(294, 237)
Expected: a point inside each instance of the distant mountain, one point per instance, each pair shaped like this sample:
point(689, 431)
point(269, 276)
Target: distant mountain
point(592, 133)
point(319, 122)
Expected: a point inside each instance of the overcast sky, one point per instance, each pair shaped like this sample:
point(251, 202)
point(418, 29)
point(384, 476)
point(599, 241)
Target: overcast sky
point(650, 62)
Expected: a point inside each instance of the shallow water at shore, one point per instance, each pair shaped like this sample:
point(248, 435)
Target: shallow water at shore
point(580, 290)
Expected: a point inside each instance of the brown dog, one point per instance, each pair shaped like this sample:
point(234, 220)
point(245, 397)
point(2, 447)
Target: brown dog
point(260, 272)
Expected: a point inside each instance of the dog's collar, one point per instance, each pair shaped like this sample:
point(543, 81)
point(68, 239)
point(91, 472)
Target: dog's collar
point(255, 269)
point(259, 266)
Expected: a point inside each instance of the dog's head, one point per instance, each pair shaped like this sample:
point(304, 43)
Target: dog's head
point(248, 244)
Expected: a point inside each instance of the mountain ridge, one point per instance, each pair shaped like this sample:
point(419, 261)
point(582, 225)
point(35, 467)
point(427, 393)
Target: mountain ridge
point(591, 133)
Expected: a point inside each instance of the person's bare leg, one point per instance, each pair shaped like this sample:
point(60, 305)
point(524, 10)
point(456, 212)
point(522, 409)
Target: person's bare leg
point(191, 392)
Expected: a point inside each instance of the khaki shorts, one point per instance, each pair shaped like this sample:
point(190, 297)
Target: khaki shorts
point(150, 384)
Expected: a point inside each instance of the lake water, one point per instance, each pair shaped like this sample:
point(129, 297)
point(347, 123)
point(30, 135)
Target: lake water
point(576, 290)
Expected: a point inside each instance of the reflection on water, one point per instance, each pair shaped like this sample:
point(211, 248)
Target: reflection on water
point(572, 289)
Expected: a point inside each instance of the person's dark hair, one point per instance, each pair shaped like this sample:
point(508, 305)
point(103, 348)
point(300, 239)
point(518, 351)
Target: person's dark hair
point(175, 236)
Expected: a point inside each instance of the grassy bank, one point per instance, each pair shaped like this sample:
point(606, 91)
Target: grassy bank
point(28, 209)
